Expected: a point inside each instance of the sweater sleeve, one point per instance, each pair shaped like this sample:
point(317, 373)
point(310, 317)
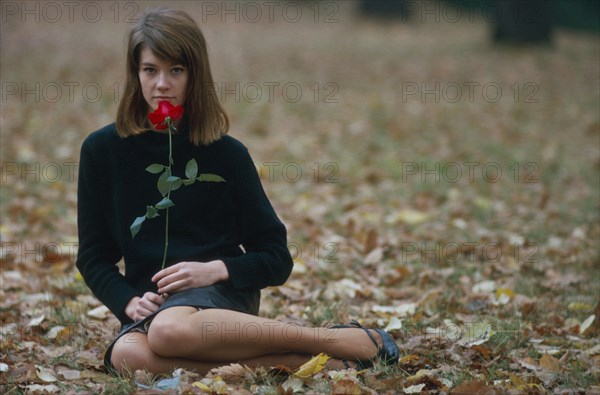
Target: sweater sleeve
point(267, 260)
point(98, 253)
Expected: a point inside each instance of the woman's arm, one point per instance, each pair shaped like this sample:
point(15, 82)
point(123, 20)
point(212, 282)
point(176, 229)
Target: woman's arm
point(267, 260)
point(98, 253)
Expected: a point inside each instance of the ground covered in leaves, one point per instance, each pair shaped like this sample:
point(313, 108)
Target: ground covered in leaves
point(432, 184)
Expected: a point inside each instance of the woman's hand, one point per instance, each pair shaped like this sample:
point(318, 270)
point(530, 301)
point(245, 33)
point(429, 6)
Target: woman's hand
point(139, 308)
point(187, 275)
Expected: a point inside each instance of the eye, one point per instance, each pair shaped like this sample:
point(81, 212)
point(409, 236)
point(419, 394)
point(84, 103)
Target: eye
point(149, 70)
point(177, 70)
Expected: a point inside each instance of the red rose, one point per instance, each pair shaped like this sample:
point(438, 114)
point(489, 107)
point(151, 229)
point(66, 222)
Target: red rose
point(164, 110)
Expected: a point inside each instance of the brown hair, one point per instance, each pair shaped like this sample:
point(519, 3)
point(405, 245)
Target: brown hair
point(173, 36)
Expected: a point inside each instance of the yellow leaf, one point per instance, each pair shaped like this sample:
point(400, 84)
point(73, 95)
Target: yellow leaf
point(202, 386)
point(314, 366)
point(411, 217)
point(504, 291)
point(516, 380)
point(579, 306)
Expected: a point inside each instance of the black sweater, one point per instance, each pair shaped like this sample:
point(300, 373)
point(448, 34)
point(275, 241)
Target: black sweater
point(209, 220)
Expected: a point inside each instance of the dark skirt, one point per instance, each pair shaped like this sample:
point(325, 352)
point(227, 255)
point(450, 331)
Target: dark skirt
point(217, 296)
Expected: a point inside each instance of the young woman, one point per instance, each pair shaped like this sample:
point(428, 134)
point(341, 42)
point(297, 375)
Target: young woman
point(225, 240)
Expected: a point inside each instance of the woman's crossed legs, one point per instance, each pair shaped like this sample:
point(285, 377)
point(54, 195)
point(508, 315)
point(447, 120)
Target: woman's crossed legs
point(201, 340)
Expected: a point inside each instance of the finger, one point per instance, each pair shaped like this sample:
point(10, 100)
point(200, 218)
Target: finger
point(155, 298)
point(143, 313)
point(166, 271)
point(148, 305)
point(171, 278)
point(173, 287)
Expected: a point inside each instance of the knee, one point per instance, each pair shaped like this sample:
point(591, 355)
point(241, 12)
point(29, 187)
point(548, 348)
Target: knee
point(167, 338)
point(129, 354)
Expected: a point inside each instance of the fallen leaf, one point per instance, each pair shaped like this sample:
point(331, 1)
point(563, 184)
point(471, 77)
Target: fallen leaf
point(485, 352)
point(394, 324)
point(313, 366)
point(410, 217)
point(68, 374)
point(371, 242)
point(233, 372)
point(346, 386)
point(504, 291)
point(548, 362)
point(484, 286)
point(293, 384)
point(37, 321)
point(401, 311)
point(374, 256)
point(476, 334)
point(35, 389)
point(100, 313)
point(476, 387)
point(45, 374)
point(202, 386)
point(414, 389)
point(54, 332)
point(529, 363)
point(585, 325)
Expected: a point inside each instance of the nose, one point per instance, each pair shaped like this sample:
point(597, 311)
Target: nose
point(163, 81)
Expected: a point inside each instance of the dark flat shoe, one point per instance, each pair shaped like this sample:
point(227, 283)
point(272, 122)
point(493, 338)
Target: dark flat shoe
point(388, 352)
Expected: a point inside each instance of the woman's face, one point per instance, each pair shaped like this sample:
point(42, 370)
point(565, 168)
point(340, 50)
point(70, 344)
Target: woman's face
point(161, 80)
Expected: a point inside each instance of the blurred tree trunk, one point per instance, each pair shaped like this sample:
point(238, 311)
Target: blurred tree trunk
point(387, 8)
point(523, 21)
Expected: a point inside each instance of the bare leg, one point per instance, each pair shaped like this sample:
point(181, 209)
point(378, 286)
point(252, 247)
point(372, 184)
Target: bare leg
point(228, 336)
point(131, 352)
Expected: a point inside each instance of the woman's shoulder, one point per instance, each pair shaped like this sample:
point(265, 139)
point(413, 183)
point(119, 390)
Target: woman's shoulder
point(106, 135)
point(229, 144)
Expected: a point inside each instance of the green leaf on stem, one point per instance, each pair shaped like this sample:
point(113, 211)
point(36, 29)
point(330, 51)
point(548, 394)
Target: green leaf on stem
point(151, 212)
point(189, 182)
point(155, 168)
point(209, 177)
point(191, 169)
point(165, 203)
point(175, 183)
point(172, 179)
point(163, 185)
point(137, 225)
